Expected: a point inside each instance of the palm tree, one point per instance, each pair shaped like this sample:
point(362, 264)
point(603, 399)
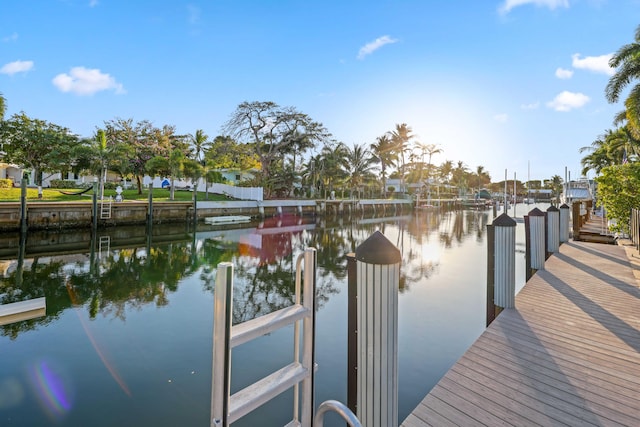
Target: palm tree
point(331, 159)
point(383, 150)
point(556, 187)
point(609, 149)
point(482, 176)
point(429, 150)
point(400, 138)
point(622, 145)
point(200, 142)
point(626, 61)
point(445, 170)
point(358, 164)
point(459, 176)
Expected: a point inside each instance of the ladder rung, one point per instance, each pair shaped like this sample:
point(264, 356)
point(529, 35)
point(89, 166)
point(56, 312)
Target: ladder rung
point(254, 328)
point(251, 397)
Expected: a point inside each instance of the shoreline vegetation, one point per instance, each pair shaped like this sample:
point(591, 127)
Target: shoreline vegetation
point(56, 195)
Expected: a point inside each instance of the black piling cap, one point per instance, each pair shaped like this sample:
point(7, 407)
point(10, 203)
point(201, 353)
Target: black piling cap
point(504, 220)
point(565, 206)
point(552, 209)
point(377, 249)
point(536, 212)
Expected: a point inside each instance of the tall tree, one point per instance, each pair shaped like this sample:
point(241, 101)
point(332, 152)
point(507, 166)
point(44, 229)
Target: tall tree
point(143, 141)
point(200, 143)
point(274, 132)
point(445, 170)
point(97, 156)
point(626, 61)
point(482, 176)
point(358, 164)
point(37, 145)
point(383, 150)
point(556, 184)
point(225, 153)
point(332, 158)
point(460, 177)
point(401, 136)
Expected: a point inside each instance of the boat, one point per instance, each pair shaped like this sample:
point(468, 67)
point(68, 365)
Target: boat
point(577, 191)
point(227, 219)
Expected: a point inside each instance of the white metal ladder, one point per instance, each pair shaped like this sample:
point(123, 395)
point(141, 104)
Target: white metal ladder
point(105, 208)
point(104, 245)
point(226, 408)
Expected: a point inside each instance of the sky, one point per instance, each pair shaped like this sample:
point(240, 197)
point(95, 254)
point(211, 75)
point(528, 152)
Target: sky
point(514, 86)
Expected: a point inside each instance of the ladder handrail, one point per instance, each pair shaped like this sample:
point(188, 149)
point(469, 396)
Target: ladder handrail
point(225, 408)
point(338, 407)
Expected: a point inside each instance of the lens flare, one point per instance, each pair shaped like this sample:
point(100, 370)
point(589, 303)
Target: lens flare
point(52, 388)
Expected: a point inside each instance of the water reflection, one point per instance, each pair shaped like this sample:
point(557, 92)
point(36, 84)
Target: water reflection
point(110, 280)
point(125, 276)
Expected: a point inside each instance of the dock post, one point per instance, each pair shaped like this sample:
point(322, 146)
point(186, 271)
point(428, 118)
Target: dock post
point(352, 333)
point(94, 223)
point(501, 261)
point(23, 204)
point(377, 284)
point(221, 371)
point(150, 204)
point(565, 220)
point(577, 220)
point(535, 240)
point(553, 230)
point(195, 207)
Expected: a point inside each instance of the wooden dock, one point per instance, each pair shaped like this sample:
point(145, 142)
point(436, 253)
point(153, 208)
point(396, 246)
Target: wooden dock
point(568, 354)
point(595, 229)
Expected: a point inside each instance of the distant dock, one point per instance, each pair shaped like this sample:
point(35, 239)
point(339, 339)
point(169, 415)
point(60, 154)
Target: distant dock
point(568, 354)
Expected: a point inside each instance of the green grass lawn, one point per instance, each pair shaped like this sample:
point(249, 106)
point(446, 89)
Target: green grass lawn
point(54, 195)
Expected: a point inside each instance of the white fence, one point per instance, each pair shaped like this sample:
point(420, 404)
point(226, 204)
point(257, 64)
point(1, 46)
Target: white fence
point(241, 193)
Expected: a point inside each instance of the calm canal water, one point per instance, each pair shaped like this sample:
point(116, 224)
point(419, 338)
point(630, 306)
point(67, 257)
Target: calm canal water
point(127, 335)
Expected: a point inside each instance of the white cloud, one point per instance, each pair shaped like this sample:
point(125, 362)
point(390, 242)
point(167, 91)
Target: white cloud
point(13, 37)
point(16, 67)
point(93, 3)
point(501, 118)
point(84, 81)
point(551, 4)
point(371, 47)
point(532, 106)
point(561, 73)
point(567, 101)
point(597, 64)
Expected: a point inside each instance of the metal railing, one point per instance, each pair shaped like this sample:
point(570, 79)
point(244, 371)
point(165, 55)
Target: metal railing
point(340, 409)
point(226, 408)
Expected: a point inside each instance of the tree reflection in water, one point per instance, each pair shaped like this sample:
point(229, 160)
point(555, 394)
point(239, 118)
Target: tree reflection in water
point(128, 278)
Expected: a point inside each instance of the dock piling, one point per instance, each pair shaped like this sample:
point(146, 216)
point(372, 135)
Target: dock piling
point(501, 272)
point(377, 271)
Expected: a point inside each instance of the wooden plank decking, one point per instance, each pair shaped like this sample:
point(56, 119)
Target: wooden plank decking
point(568, 354)
point(595, 230)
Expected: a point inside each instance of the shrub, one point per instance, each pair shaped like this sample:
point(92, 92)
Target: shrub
point(6, 183)
point(62, 183)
